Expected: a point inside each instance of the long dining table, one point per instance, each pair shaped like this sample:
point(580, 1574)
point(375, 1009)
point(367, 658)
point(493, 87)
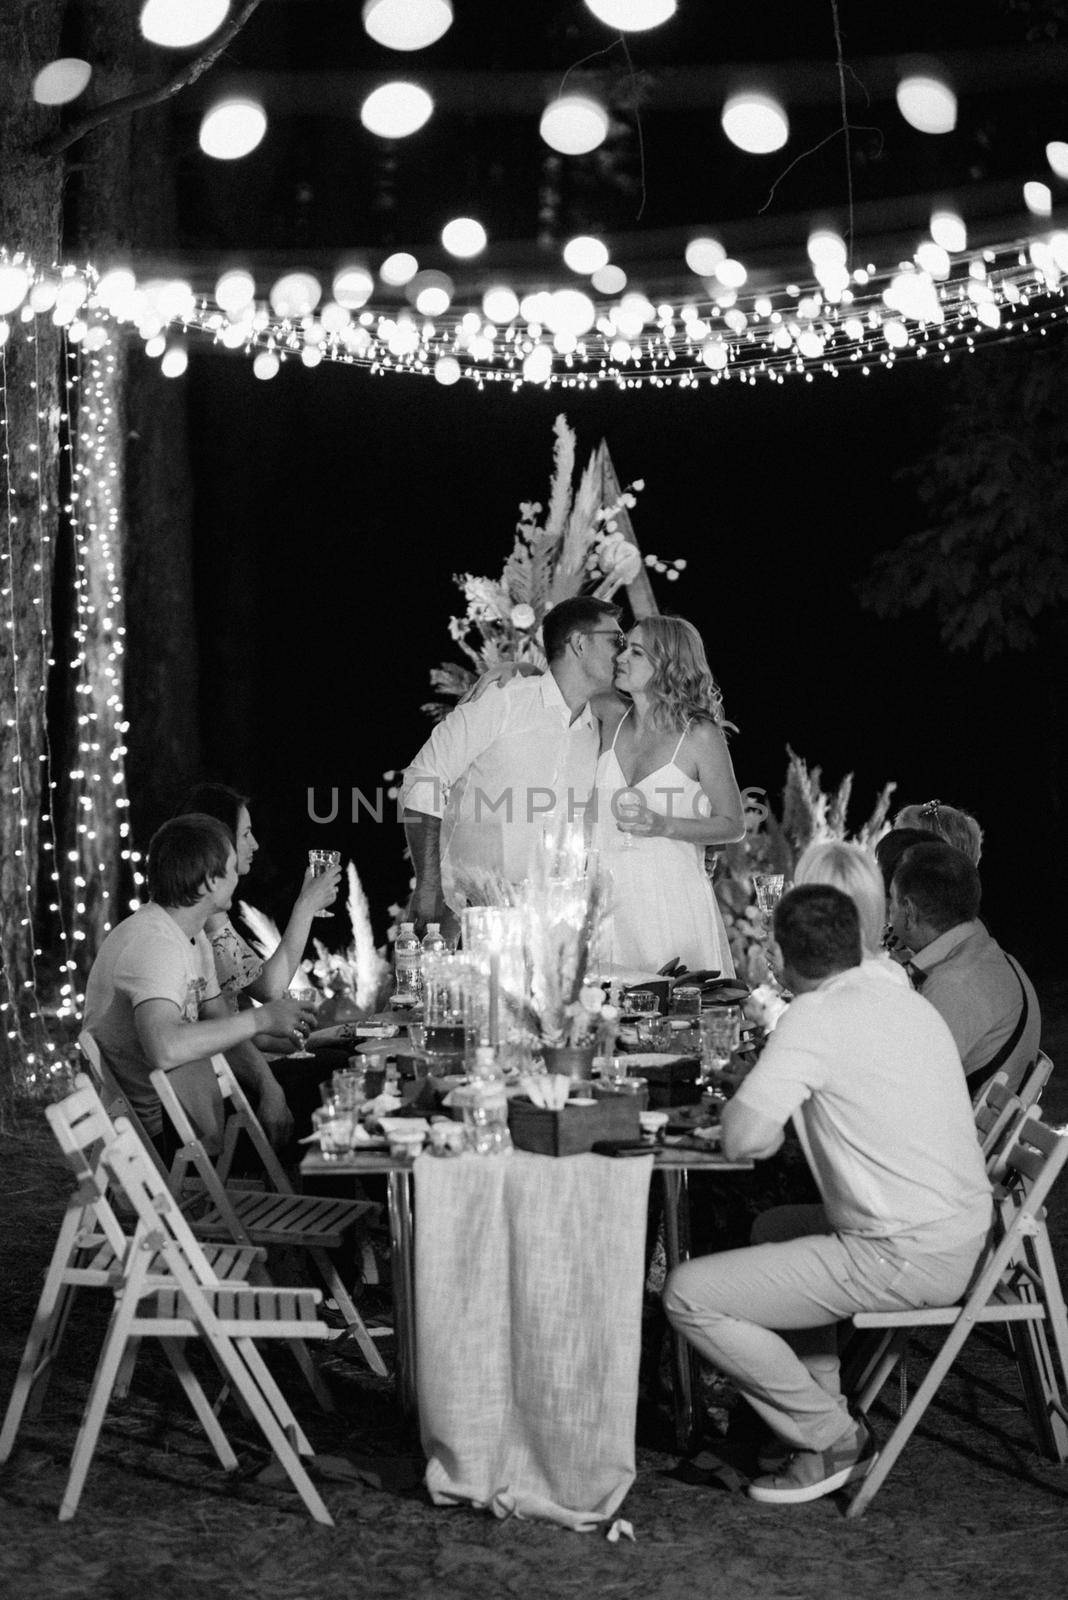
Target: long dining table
point(671, 1166)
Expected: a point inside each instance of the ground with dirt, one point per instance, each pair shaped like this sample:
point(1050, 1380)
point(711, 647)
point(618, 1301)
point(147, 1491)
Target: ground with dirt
point(971, 1509)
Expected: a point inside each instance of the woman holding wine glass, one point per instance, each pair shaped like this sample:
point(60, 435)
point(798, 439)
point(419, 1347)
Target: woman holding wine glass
point(665, 790)
point(244, 976)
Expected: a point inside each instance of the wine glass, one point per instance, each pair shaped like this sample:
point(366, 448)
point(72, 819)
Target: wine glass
point(307, 997)
point(321, 861)
point(627, 806)
point(768, 887)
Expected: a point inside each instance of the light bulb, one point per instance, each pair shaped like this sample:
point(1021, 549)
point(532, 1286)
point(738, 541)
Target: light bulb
point(396, 110)
point(232, 129)
point(407, 24)
point(177, 24)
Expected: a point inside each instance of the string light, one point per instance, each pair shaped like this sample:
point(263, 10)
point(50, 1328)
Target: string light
point(20, 1001)
point(839, 320)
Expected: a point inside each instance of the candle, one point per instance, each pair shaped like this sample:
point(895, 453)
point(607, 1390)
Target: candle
point(495, 999)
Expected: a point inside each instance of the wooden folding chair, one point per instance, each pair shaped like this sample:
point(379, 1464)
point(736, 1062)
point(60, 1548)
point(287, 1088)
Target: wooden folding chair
point(1016, 1284)
point(90, 1253)
point(1034, 1080)
point(996, 1123)
point(276, 1216)
point(170, 1291)
point(142, 1275)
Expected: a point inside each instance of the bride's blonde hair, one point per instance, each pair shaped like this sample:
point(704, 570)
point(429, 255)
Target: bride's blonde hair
point(682, 686)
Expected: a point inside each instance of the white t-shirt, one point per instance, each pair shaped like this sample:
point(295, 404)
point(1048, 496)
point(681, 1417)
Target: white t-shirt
point(147, 957)
point(871, 1076)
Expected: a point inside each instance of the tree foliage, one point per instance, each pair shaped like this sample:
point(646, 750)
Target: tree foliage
point(992, 561)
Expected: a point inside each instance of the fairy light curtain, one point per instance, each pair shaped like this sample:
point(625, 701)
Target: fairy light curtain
point(72, 822)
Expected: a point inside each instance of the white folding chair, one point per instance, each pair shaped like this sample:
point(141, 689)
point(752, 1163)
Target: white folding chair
point(275, 1216)
point(996, 1123)
point(1016, 1283)
point(164, 1285)
point(117, 1105)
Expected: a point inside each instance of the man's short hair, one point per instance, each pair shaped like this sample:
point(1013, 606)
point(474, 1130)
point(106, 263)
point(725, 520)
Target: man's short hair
point(942, 884)
point(580, 614)
point(817, 928)
point(183, 855)
point(892, 847)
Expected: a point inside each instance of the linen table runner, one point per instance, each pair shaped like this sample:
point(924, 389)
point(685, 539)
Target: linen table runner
point(529, 1275)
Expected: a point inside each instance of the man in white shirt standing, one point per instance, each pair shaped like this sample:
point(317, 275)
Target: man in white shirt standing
point(871, 1077)
point(500, 770)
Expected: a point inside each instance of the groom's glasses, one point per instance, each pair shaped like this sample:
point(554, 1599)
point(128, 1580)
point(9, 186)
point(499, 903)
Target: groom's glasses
point(608, 633)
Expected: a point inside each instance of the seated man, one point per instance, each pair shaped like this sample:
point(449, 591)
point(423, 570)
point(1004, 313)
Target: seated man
point(984, 995)
point(152, 999)
point(872, 1079)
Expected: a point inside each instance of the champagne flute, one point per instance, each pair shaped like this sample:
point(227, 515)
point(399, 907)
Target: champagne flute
point(321, 861)
point(768, 887)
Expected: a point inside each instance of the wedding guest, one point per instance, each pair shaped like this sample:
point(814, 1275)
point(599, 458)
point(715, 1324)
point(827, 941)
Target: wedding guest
point(665, 790)
point(871, 1078)
point(854, 870)
point(499, 770)
point(892, 846)
point(152, 999)
point(242, 974)
point(984, 995)
point(956, 827)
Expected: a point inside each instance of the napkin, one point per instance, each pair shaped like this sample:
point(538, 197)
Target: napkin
point(548, 1089)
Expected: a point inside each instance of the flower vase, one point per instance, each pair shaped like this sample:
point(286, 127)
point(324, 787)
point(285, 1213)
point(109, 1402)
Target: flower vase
point(574, 1060)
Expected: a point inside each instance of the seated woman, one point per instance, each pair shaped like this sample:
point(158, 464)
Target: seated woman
point(244, 976)
point(854, 870)
point(956, 827)
point(663, 750)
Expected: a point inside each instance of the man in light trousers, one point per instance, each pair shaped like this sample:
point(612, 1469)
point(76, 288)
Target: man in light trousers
point(870, 1075)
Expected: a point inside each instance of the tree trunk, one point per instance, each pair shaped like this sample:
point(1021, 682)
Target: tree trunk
point(30, 211)
point(123, 203)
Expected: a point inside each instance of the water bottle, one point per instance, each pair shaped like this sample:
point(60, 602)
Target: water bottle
point(407, 962)
point(433, 942)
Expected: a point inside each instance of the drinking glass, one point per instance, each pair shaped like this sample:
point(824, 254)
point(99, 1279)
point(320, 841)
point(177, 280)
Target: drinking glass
point(627, 806)
point(336, 1128)
point(686, 1001)
point(447, 1031)
point(768, 887)
point(307, 997)
point(720, 1032)
point(321, 861)
point(638, 1003)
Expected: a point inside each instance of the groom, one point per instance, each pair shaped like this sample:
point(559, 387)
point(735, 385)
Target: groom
point(499, 770)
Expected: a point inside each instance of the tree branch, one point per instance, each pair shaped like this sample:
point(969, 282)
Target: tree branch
point(126, 104)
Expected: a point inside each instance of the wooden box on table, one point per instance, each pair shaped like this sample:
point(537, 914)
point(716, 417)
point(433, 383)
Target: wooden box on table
point(574, 1129)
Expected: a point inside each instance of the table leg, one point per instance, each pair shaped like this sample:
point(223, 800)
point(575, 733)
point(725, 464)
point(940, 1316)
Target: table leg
point(685, 1366)
point(401, 1236)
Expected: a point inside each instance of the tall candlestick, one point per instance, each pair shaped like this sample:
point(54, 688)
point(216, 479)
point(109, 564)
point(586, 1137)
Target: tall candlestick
point(495, 999)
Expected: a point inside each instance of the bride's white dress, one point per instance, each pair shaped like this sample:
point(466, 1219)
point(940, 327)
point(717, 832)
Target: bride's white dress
point(661, 902)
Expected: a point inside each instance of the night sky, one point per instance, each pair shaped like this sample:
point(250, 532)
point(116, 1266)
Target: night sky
point(333, 507)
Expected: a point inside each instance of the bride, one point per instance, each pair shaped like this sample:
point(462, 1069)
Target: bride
point(665, 790)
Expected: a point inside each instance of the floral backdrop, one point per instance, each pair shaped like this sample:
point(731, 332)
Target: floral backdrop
point(582, 542)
